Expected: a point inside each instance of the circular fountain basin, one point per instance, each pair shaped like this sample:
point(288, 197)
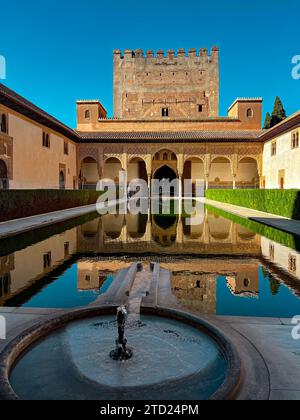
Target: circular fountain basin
point(172, 359)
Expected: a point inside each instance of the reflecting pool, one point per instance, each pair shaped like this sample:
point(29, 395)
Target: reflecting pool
point(220, 264)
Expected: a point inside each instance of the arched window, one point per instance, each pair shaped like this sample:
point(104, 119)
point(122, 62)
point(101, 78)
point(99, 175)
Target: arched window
point(4, 123)
point(165, 156)
point(157, 156)
point(87, 114)
point(173, 156)
point(250, 113)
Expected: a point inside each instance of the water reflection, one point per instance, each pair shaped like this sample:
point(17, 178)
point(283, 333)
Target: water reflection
point(218, 266)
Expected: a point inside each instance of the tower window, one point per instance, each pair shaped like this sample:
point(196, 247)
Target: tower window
point(165, 112)
point(200, 108)
point(250, 113)
point(273, 148)
point(87, 114)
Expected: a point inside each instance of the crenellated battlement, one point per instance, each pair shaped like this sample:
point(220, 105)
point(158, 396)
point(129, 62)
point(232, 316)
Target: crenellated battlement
point(170, 54)
point(166, 84)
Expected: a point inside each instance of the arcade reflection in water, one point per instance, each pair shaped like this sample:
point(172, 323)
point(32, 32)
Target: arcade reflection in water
point(218, 266)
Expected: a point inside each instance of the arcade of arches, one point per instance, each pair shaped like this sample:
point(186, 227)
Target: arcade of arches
point(173, 232)
point(223, 166)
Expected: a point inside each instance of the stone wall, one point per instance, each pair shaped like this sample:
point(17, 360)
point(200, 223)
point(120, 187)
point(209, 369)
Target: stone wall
point(185, 85)
point(282, 169)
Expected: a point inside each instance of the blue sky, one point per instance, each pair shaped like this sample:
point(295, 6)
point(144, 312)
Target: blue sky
point(58, 51)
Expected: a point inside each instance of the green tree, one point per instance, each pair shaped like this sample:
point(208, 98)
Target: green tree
point(267, 121)
point(278, 113)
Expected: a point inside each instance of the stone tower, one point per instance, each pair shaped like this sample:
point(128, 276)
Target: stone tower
point(166, 86)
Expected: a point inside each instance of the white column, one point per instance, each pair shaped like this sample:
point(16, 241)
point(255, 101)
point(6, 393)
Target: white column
point(234, 182)
point(149, 185)
point(180, 203)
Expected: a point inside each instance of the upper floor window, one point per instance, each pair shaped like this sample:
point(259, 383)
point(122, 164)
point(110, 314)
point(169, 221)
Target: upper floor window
point(66, 148)
point(200, 108)
point(295, 140)
point(165, 112)
point(250, 113)
point(274, 148)
point(46, 140)
point(87, 114)
point(3, 123)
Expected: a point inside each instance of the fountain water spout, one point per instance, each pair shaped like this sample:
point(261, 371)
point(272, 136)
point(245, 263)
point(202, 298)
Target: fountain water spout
point(121, 352)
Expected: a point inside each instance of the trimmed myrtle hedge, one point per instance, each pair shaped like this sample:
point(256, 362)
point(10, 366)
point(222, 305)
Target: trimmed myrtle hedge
point(273, 234)
point(281, 202)
point(15, 204)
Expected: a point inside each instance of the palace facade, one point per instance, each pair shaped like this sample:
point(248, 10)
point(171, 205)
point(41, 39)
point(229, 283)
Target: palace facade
point(166, 124)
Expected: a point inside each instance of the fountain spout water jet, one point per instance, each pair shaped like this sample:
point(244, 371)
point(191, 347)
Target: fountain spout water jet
point(121, 353)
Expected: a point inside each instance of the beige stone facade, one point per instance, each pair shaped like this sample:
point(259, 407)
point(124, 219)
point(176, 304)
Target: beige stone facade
point(169, 86)
point(30, 162)
point(281, 157)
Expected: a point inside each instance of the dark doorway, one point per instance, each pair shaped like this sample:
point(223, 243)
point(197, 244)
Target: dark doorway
point(165, 175)
point(3, 176)
point(62, 182)
point(165, 172)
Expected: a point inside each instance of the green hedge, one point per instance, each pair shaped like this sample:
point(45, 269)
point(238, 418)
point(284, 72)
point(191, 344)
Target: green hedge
point(15, 204)
point(273, 234)
point(281, 202)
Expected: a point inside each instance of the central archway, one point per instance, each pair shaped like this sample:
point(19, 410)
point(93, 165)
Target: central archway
point(165, 172)
point(165, 175)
